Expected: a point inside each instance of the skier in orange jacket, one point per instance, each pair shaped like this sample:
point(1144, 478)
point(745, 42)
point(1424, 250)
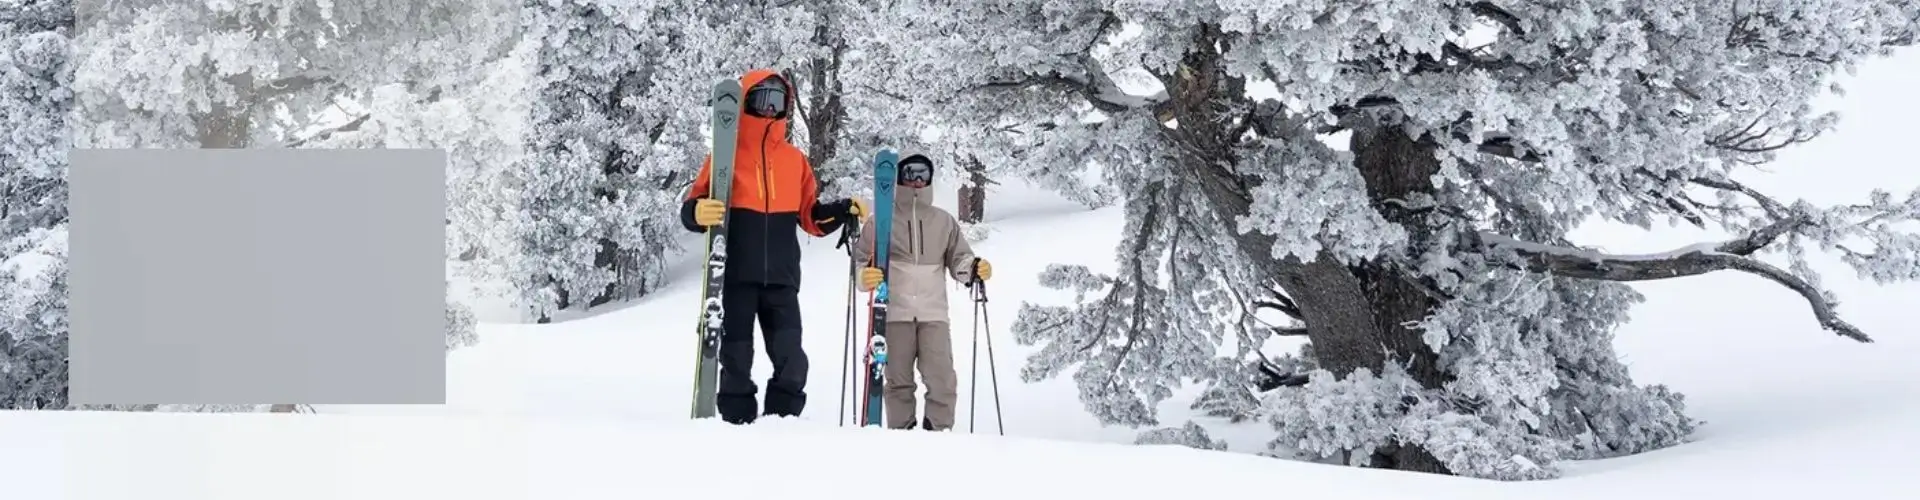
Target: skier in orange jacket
point(774, 196)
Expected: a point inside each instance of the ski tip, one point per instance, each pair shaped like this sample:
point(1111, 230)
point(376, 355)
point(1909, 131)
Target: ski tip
point(726, 92)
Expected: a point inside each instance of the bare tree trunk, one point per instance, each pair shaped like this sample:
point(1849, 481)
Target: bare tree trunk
point(973, 193)
point(613, 169)
point(1398, 167)
point(825, 111)
point(227, 126)
point(606, 258)
point(1349, 326)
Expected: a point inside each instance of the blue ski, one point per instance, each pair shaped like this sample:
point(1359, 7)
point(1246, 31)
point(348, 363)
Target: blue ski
point(884, 175)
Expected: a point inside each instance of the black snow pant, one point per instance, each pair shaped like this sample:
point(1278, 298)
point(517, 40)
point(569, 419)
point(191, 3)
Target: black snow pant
point(777, 307)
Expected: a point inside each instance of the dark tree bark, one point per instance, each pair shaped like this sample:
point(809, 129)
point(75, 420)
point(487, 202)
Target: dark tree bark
point(1354, 314)
point(824, 112)
point(1398, 167)
point(973, 192)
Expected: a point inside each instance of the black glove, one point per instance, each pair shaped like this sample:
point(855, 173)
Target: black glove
point(840, 210)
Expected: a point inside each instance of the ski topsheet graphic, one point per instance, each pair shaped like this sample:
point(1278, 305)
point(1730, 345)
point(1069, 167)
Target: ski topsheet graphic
point(726, 124)
point(884, 175)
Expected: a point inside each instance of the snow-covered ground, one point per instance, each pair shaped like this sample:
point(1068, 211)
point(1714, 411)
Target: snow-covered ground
point(595, 407)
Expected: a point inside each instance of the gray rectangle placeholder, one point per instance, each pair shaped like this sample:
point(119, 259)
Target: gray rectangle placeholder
point(236, 276)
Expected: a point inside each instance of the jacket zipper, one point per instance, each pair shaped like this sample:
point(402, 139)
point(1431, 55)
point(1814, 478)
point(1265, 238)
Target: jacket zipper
point(766, 204)
point(916, 243)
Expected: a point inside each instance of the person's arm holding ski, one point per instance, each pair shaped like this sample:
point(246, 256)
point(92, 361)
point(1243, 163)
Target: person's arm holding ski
point(821, 219)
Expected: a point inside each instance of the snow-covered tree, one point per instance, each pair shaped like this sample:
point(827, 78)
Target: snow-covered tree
point(1406, 197)
point(35, 100)
point(250, 73)
point(610, 145)
point(34, 105)
point(288, 73)
point(33, 320)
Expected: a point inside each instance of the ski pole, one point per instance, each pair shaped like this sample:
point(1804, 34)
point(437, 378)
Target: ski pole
point(846, 350)
point(980, 316)
point(847, 347)
point(973, 373)
point(993, 372)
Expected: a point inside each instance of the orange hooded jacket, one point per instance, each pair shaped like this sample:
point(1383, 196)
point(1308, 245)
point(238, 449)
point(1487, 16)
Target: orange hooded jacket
point(774, 193)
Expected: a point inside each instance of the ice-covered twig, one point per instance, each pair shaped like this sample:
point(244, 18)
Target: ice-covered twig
point(1772, 206)
point(295, 83)
point(1690, 260)
point(323, 134)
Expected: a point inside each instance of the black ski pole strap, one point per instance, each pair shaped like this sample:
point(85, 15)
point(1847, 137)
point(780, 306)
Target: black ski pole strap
point(847, 231)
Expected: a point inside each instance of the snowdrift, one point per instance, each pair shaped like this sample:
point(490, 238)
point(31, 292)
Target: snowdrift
point(105, 455)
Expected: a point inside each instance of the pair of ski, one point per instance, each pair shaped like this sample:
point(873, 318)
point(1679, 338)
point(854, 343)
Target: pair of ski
point(725, 124)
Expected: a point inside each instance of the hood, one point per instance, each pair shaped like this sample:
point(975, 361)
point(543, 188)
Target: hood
point(906, 197)
point(757, 132)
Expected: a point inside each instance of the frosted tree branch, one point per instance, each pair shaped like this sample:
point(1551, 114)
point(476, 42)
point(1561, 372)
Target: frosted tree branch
point(1091, 82)
point(1772, 206)
point(324, 134)
point(293, 84)
point(1498, 15)
point(1279, 304)
point(1137, 317)
point(1690, 260)
point(1273, 377)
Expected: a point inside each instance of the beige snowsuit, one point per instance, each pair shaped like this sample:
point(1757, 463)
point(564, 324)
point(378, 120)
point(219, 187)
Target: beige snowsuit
point(925, 250)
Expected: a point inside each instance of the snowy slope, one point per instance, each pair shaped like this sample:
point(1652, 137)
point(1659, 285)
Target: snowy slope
point(251, 456)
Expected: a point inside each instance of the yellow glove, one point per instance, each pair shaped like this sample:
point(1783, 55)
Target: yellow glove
point(858, 210)
point(708, 212)
point(982, 269)
point(870, 278)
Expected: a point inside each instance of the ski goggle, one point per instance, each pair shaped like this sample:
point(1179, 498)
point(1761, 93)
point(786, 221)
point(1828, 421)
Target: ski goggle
point(767, 99)
point(916, 174)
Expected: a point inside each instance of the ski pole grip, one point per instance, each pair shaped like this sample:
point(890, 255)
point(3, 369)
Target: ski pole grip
point(973, 281)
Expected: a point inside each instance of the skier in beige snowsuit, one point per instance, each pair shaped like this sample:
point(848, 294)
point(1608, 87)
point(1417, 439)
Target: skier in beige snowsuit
point(926, 248)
